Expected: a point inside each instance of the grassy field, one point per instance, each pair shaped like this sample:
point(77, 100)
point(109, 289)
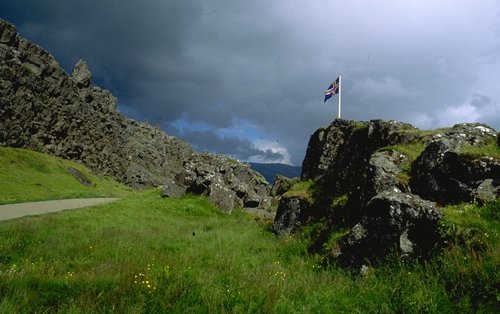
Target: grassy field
point(145, 254)
point(31, 176)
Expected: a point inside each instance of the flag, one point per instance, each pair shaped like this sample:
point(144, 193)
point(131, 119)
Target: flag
point(332, 90)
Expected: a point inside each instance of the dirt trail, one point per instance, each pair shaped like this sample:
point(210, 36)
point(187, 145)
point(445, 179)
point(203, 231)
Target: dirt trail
point(12, 211)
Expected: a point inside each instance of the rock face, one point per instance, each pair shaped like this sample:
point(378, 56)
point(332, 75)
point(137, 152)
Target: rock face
point(226, 182)
point(337, 155)
point(291, 214)
point(393, 220)
point(381, 174)
point(390, 195)
point(444, 175)
point(43, 108)
point(281, 185)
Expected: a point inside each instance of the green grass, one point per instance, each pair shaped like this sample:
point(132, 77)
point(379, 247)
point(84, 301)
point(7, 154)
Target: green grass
point(472, 226)
point(145, 254)
point(411, 150)
point(303, 189)
point(415, 148)
point(469, 263)
point(490, 149)
point(423, 135)
point(359, 126)
point(30, 176)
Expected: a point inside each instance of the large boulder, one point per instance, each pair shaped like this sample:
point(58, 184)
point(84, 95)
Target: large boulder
point(221, 196)
point(392, 220)
point(487, 191)
point(383, 172)
point(81, 74)
point(443, 174)
point(281, 185)
point(292, 213)
point(171, 188)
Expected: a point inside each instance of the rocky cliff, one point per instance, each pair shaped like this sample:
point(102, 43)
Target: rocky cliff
point(43, 108)
point(380, 185)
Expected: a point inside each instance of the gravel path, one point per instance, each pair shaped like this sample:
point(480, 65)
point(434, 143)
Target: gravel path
point(12, 211)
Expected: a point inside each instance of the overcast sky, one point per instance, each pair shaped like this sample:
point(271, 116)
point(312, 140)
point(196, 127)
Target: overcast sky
point(247, 78)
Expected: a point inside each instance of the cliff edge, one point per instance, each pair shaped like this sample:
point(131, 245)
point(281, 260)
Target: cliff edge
point(43, 108)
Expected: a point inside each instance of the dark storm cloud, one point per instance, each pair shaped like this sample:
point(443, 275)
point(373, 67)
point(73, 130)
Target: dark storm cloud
point(268, 62)
point(119, 39)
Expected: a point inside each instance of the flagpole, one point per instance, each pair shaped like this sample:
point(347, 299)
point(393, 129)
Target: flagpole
point(340, 93)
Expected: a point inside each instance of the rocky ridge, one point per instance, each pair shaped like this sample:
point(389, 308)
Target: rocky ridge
point(45, 109)
point(383, 182)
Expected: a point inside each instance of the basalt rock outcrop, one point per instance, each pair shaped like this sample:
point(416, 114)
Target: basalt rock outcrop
point(226, 182)
point(443, 174)
point(391, 178)
point(281, 185)
point(393, 220)
point(338, 155)
point(292, 213)
point(45, 109)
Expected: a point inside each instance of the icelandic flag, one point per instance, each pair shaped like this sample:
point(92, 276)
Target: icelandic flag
point(332, 90)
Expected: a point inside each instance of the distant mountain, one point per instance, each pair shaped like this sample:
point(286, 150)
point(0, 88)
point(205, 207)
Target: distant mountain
point(269, 171)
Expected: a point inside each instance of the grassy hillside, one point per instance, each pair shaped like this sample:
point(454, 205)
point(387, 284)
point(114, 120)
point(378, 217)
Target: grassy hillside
point(145, 254)
point(28, 176)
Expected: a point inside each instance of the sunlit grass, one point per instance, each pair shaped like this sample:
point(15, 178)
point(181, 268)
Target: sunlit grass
point(145, 254)
point(303, 189)
point(29, 176)
point(411, 151)
point(490, 149)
